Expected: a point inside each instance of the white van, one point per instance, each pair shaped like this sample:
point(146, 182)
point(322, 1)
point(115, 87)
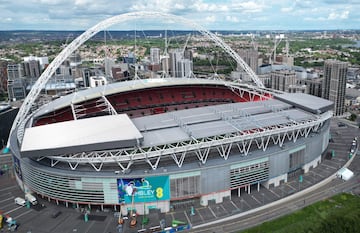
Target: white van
point(29, 197)
point(20, 201)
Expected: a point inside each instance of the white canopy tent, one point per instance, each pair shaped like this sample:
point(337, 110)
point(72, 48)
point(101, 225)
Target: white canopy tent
point(345, 174)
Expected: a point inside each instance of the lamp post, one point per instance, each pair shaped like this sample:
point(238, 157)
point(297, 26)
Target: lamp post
point(300, 180)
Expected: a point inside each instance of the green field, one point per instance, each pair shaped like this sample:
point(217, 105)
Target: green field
point(340, 213)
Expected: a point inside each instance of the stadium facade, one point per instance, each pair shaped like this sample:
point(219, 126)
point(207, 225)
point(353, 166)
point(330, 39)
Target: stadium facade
point(153, 143)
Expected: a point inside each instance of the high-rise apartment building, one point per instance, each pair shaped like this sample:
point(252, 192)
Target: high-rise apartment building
point(251, 57)
point(283, 79)
point(31, 69)
point(335, 84)
point(179, 66)
point(43, 61)
point(3, 75)
point(175, 56)
point(185, 67)
point(155, 56)
point(16, 82)
point(109, 64)
point(14, 71)
point(313, 86)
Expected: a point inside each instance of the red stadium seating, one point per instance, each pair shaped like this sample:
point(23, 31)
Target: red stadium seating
point(150, 101)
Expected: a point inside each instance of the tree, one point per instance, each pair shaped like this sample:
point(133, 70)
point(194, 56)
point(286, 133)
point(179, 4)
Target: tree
point(352, 117)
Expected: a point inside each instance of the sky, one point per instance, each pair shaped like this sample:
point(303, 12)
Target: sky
point(211, 14)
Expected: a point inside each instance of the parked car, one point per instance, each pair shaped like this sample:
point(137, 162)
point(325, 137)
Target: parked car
point(20, 201)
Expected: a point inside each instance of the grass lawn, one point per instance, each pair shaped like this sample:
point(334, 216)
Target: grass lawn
point(340, 213)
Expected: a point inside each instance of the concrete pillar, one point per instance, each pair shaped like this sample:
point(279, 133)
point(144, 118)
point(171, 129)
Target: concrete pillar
point(258, 186)
point(249, 189)
point(66, 204)
point(239, 192)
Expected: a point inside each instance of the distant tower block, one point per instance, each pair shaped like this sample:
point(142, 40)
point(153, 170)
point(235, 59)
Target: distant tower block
point(250, 56)
point(335, 84)
point(155, 56)
point(282, 79)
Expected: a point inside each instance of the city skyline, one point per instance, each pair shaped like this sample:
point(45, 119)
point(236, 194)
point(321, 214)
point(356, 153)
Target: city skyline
point(212, 14)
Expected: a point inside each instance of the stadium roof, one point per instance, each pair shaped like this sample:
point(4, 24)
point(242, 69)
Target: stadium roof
point(99, 133)
point(210, 121)
point(307, 102)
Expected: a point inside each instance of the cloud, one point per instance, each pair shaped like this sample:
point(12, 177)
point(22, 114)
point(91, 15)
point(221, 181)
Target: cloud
point(287, 9)
point(199, 6)
point(233, 19)
point(162, 5)
point(215, 14)
point(210, 19)
point(336, 16)
point(248, 6)
point(340, 2)
point(332, 16)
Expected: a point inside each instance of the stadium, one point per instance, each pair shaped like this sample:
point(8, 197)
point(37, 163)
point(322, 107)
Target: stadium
point(157, 142)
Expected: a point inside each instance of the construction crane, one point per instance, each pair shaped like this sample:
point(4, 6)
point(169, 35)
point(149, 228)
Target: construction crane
point(287, 47)
point(277, 41)
point(67, 40)
point(186, 42)
point(253, 42)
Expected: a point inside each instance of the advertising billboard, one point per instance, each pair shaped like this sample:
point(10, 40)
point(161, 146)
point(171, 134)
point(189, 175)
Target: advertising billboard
point(145, 189)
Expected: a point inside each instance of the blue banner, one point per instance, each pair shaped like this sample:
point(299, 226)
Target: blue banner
point(149, 189)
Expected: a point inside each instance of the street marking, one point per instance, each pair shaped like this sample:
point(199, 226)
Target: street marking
point(291, 187)
point(7, 199)
point(329, 166)
point(11, 187)
point(316, 174)
point(212, 212)
point(23, 214)
point(246, 203)
point(107, 225)
point(274, 193)
point(187, 217)
point(202, 219)
point(223, 208)
point(308, 181)
point(234, 204)
point(5, 194)
point(10, 211)
point(89, 227)
point(9, 204)
point(255, 199)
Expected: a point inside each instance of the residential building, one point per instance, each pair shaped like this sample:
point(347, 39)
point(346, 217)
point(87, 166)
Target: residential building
point(335, 84)
point(282, 79)
point(154, 56)
point(251, 57)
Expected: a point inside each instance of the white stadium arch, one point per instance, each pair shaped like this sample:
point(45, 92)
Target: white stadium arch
point(76, 43)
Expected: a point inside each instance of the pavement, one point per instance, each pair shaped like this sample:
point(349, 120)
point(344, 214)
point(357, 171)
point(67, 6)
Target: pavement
point(234, 214)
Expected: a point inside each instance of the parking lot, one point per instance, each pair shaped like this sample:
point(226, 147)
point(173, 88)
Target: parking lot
point(40, 219)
